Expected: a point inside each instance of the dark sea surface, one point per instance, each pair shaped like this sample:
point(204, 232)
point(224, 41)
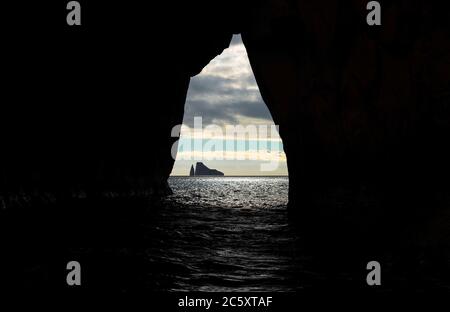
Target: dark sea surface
point(225, 234)
point(212, 234)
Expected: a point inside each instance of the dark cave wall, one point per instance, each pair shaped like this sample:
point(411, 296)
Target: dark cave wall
point(363, 111)
point(91, 109)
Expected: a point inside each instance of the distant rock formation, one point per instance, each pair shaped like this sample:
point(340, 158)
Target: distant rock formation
point(202, 170)
point(192, 172)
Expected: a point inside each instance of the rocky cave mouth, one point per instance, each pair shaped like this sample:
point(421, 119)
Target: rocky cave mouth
point(238, 133)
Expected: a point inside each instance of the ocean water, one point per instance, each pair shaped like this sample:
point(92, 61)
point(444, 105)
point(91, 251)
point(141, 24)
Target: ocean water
point(212, 234)
point(225, 234)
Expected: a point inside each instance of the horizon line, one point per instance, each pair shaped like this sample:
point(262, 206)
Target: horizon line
point(229, 176)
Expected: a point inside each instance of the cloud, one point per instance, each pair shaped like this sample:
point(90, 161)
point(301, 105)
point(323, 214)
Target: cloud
point(229, 112)
point(225, 92)
point(237, 40)
point(262, 155)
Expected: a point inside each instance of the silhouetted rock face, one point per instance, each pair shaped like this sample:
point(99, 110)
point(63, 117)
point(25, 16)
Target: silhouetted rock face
point(363, 111)
point(89, 110)
point(202, 170)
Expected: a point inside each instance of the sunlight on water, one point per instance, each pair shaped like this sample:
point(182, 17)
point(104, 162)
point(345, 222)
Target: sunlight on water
point(233, 192)
point(226, 234)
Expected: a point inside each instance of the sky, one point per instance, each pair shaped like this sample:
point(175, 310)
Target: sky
point(226, 124)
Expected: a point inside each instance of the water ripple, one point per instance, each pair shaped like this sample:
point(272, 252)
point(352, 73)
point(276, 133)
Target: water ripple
point(219, 234)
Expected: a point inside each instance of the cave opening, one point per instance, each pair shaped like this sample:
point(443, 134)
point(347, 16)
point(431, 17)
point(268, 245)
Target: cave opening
point(238, 219)
point(226, 125)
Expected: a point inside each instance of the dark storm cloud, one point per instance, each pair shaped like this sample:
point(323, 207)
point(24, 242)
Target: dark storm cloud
point(224, 101)
point(208, 84)
point(216, 87)
point(230, 113)
point(226, 91)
